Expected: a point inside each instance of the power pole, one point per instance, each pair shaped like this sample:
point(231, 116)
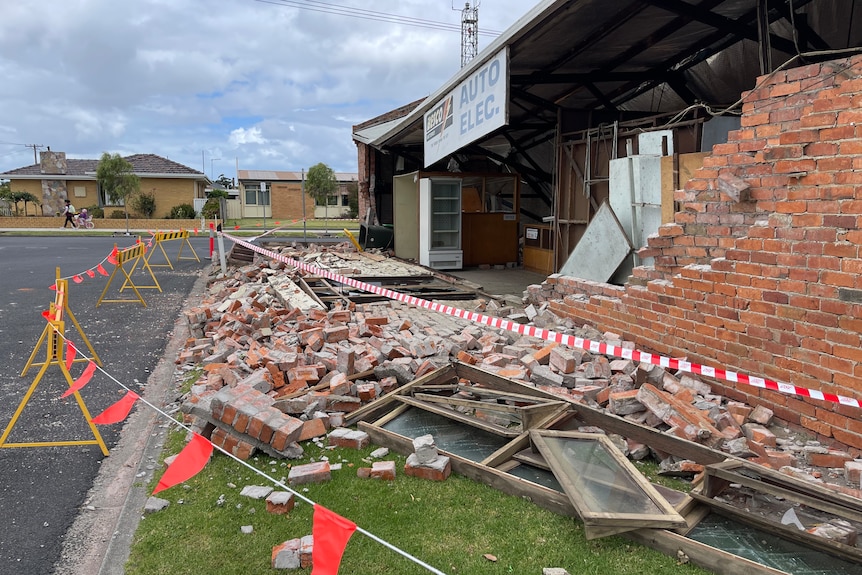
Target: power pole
point(35, 147)
point(469, 32)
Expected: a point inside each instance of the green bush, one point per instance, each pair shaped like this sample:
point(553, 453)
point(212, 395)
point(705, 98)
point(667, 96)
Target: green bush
point(211, 209)
point(182, 212)
point(95, 212)
point(144, 204)
point(118, 215)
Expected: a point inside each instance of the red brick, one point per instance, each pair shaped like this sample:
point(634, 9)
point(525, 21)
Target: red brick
point(316, 472)
point(428, 473)
point(287, 433)
point(280, 502)
point(315, 427)
point(831, 458)
point(384, 470)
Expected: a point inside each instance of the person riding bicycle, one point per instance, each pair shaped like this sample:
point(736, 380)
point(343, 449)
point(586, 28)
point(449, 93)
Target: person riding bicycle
point(83, 217)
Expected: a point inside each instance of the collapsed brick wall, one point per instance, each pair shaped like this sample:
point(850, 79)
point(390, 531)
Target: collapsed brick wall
point(769, 285)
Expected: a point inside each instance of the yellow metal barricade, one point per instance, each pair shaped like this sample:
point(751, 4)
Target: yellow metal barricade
point(129, 258)
point(61, 305)
point(160, 237)
point(54, 341)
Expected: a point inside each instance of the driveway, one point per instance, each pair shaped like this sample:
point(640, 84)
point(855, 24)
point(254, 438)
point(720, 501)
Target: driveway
point(42, 489)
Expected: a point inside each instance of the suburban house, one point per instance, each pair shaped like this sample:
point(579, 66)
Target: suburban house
point(56, 178)
point(279, 195)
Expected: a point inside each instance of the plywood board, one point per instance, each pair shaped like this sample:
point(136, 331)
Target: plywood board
point(687, 165)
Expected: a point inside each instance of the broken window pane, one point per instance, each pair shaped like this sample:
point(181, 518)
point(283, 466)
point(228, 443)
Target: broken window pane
point(609, 493)
point(451, 436)
point(767, 549)
point(603, 484)
point(536, 475)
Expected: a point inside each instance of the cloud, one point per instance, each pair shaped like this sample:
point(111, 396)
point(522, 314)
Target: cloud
point(242, 136)
point(264, 85)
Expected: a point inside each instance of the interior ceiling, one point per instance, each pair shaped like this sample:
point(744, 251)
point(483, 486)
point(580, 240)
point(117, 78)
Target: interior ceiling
point(624, 58)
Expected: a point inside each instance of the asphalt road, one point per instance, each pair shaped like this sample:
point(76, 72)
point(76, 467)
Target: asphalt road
point(42, 489)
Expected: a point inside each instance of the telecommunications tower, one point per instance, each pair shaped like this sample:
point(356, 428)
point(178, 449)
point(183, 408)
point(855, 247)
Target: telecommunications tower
point(469, 32)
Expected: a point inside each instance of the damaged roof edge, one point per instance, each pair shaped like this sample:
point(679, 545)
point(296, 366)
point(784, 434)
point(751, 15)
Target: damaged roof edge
point(520, 28)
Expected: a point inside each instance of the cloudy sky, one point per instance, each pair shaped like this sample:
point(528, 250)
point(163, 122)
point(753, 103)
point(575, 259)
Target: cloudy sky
point(274, 84)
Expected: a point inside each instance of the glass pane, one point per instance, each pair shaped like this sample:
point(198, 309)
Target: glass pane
point(603, 485)
point(250, 196)
point(767, 549)
point(449, 435)
point(445, 214)
point(536, 475)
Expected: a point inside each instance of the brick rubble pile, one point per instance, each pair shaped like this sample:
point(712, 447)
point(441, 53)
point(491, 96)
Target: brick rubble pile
point(279, 369)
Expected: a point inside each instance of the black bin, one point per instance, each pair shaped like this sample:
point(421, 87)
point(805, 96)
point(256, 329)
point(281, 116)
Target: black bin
point(375, 237)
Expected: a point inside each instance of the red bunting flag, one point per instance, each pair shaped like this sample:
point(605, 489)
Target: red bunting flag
point(330, 532)
point(81, 381)
point(101, 270)
point(236, 227)
point(53, 287)
point(77, 279)
point(117, 412)
point(91, 273)
point(112, 258)
point(47, 315)
point(187, 464)
point(71, 351)
point(196, 231)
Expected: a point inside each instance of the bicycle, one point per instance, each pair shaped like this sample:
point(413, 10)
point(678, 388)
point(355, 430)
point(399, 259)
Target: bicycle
point(80, 222)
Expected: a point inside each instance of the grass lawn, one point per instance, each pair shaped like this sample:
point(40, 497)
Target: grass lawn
point(450, 525)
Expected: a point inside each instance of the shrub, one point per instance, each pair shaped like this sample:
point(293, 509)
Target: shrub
point(118, 215)
point(182, 212)
point(95, 212)
point(211, 209)
point(144, 204)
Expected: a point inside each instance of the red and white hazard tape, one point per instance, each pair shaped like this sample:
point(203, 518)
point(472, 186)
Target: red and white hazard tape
point(567, 340)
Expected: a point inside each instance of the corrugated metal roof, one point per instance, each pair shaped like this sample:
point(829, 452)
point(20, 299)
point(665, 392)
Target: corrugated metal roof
point(607, 57)
point(284, 176)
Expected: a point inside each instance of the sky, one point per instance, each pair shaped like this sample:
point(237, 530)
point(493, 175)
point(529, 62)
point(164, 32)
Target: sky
point(216, 84)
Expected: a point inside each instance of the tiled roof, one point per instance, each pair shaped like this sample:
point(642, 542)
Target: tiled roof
point(142, 164)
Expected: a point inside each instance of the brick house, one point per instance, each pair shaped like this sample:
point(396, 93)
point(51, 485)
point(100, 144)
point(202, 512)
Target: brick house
point(278, 195)
point(56, 178)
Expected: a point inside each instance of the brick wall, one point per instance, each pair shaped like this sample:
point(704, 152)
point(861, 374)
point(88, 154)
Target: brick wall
point(770, 285)
point(286, 202)
point(45, 222)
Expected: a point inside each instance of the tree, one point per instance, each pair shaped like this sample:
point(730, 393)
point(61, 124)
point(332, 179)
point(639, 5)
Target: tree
point(353, 198)
point(7, 195)
point(215, 204)
point(319, 184)
point(26, 197)
point(116, 177)
point(225, 182)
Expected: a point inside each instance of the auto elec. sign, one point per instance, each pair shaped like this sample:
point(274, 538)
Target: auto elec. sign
point(477, 106)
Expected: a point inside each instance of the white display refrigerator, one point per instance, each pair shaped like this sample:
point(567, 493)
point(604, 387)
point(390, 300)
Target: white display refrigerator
point(440, 223)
